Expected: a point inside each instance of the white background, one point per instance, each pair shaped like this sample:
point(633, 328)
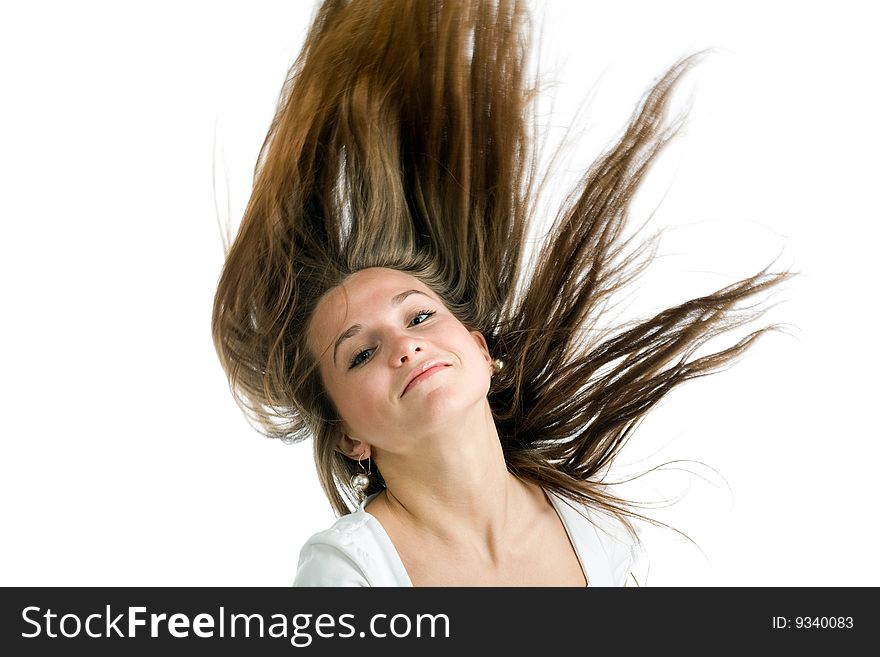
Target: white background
point(124, 460)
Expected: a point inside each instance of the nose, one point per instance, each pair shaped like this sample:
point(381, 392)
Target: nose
point(404, 351)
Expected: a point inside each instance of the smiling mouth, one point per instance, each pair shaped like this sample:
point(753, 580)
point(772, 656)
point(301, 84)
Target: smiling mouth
point(424, 375)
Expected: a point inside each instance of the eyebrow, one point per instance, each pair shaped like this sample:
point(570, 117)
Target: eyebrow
point(354, 329)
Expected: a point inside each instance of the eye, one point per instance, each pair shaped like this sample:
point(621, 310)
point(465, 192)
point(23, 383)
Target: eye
point(357, 360)
point(422, 313)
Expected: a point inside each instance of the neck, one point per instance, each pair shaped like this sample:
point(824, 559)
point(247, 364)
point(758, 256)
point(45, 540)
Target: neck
point(455, 487)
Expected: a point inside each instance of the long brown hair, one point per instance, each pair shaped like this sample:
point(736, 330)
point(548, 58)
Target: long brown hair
point(404, 138)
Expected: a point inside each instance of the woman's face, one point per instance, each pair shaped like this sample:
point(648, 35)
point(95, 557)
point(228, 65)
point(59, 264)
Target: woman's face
point(372, 335)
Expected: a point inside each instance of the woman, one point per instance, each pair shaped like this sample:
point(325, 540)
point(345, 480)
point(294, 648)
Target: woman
point(464, 404)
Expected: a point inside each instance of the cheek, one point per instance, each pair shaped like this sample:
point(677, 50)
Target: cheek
point(474, 363)
point(474, 354)
point(339, 396)
point(360, 404)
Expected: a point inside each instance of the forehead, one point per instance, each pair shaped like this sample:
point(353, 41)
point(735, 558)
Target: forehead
point(353, 299)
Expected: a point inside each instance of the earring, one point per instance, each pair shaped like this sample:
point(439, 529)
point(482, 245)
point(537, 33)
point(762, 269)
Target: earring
point(497, 366)
point(360, 481)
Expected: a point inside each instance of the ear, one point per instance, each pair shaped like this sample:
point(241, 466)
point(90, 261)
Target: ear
point(353, 448)
point(484, 347)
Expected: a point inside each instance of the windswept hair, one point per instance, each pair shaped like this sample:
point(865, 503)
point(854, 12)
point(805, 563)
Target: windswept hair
point(404, 138)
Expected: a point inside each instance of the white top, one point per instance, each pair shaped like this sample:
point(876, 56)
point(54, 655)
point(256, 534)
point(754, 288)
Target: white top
point(357, 551)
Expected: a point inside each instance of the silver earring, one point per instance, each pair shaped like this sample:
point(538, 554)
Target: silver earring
point(497, 365)
point(360, 481)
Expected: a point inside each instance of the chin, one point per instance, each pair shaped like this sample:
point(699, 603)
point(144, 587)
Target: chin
point(442, 404)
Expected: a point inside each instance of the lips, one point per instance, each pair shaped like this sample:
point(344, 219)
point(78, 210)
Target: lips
point(423, 371)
